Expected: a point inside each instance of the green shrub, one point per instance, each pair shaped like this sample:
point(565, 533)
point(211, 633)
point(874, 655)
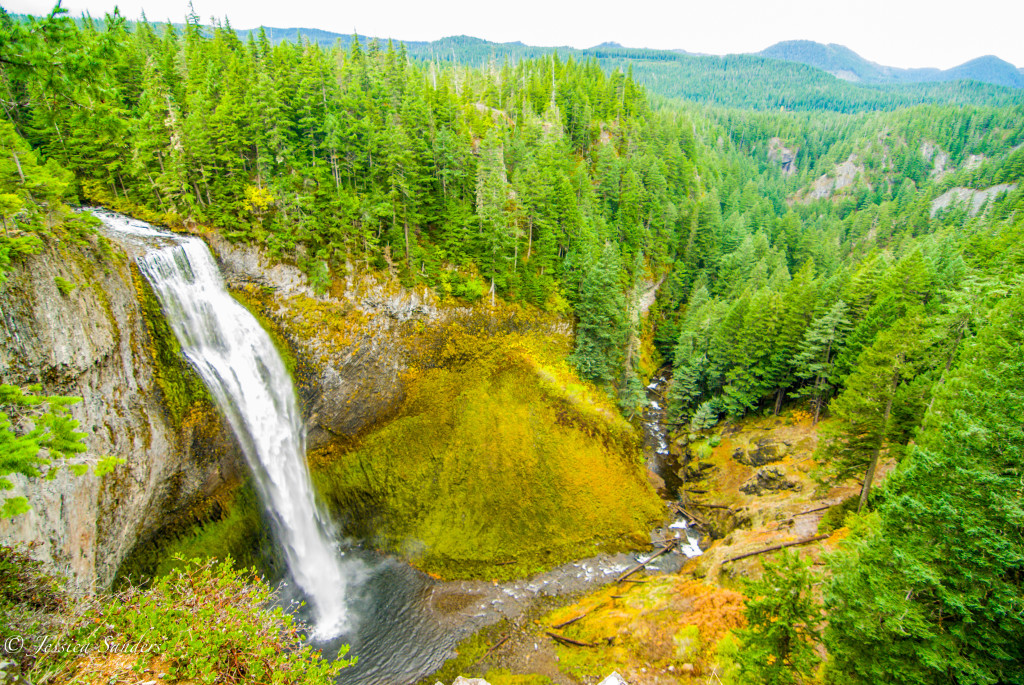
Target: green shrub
point(30, 598)
point(210, 623)
point(836, 515)
point(65, 286)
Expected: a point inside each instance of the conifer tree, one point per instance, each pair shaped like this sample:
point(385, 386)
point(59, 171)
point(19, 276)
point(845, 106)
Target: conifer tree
point(601, 326)
point(814, 361)
point(783, 622)
point(863, 417)
point(928, 589)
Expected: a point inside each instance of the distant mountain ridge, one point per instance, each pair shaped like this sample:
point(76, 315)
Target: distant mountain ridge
point(844, 63)
point(788, 76)
point(791, 75)
point(838, 60)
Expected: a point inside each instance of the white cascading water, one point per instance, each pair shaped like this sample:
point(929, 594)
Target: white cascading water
point(239, 364)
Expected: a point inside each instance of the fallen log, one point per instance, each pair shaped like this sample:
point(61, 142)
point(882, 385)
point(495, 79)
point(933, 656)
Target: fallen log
point(497, 644)
point(639, 566)
point(710, 506)
point(572, 620)
point(776, 548)
point(569, 640)
point(690, 515)
point(696, 492)
point(811, 511)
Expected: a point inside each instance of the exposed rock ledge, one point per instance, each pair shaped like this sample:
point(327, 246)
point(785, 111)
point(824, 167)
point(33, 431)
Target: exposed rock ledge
point(974, 199)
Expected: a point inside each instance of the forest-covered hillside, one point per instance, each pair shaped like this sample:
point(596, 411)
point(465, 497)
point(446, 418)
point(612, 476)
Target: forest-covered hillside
point(800, 258)
point(843, 62)
point(794, 75)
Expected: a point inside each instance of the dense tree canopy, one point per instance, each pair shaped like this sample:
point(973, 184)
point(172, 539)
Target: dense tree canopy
point(801, 257)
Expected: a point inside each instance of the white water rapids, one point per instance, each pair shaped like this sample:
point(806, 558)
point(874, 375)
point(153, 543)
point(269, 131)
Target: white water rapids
point(247, 377)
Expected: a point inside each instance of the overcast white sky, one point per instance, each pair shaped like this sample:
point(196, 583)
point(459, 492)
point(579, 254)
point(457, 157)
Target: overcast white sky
point(902, 33)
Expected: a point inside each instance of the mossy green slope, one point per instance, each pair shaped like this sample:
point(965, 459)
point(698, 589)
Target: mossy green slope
point(499, 463)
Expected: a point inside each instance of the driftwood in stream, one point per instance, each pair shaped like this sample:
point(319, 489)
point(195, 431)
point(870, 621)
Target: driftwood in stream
point(639, 566)
point(569, 641)
point(776, 548)
point(690, 515)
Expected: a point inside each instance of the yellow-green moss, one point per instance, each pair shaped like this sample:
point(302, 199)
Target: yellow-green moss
point(502, 676)
point(467, 656)
point(670, 621)
point(650, 358)
point(256, 304)
point(182, 390)
point(500, 463)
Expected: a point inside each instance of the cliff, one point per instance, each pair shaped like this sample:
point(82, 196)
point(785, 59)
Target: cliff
point(97, 336)
point(453, 435)
point(547, 469)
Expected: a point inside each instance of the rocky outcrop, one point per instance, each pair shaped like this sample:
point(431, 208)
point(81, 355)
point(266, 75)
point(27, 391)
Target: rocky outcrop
point(973, 199)
point(783, 156)
point(767, 481)
point(765, 451)
point(843, 176)
point(86, 335)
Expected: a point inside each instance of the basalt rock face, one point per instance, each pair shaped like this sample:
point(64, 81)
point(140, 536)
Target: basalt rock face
point(350, 344)
point(88, 336)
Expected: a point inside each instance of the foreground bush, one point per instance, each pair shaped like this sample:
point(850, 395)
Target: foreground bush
point(207, 622)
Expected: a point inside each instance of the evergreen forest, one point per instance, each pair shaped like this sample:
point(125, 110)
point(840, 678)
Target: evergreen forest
point(855, 253)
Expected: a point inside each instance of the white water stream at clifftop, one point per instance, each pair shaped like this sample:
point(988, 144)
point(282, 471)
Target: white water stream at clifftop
point(238, 363)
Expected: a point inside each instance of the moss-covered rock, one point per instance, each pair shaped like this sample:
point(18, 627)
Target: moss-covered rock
point(499, 463)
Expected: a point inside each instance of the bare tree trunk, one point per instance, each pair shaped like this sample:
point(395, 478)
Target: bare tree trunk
point(529, 242)
point(406, 229)
point(17, 163)
point(817, 387)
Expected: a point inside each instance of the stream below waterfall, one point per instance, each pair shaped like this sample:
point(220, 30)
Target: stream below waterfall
point(400, 623)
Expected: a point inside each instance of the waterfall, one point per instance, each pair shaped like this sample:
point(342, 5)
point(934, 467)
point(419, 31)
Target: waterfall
point(250, 384)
